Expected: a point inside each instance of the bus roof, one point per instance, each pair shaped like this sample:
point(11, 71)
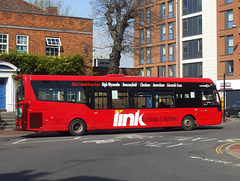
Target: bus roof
point(113, 78)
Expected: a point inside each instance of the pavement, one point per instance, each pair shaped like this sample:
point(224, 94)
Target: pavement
point(233, 149)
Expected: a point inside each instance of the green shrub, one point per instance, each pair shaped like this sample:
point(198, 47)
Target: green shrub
point(43, 65)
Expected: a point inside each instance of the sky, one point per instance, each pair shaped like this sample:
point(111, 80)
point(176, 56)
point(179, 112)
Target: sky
point(82, 8)
point(79, 8)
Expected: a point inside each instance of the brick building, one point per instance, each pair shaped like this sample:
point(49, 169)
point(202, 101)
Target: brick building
point(27, 28)
point(228, 33)
point(190, 38)
point(155, 45)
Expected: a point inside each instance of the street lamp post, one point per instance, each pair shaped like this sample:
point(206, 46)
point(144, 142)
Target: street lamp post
point(224, 96)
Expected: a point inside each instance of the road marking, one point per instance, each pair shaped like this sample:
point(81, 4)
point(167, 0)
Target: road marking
point(212, 160)
point(20, 141)
point(77, 138)
point(232, 153)
point(133, 143)
point(180, 144)
point(219, 148)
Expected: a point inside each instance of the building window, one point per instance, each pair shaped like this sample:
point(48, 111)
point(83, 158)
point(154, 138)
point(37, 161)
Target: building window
point(191, 6)
point(149, 1)
point(163, 53)
point(228, 1)
point(192, 26)
point(162, 32)
point(22, 43)
point(228, 19)
point(53, 46)
point(149, 55)
point(171, 52)
point(142, 72)
point(162, 11)
point(192, 49)
point(141, 37)
point(149, 72)
point(229, 68)
point(141, 17)
point(171, 70)
point(141, 2)
point(192, 70)
point(141, 56)
point(170, 9)
point(171, 31)
point(162, 71)
point(149, 36)
point(148, 15)
point(229, 45)
point(3, 43)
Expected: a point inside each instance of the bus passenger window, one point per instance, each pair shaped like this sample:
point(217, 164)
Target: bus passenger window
point(100, 98)
point(142, 100)
point(51, 94)
point(76, 95)
point(120, 99)
point(164, 100)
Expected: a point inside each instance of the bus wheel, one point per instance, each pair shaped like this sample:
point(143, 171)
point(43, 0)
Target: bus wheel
point(77, 127)
point(188, 123)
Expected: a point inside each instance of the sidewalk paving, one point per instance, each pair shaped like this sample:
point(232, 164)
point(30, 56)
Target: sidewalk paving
point(6, 133)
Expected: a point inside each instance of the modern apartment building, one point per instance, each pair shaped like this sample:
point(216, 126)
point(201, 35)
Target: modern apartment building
point(155, 38)
point(228, 32)
point(189, 38)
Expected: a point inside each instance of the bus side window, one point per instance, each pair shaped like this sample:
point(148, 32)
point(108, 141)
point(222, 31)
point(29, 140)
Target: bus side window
point(76, 95)
point(51, 94)
point(120, 99)
point(100, 98)
point(164, 100)
point(142, 100)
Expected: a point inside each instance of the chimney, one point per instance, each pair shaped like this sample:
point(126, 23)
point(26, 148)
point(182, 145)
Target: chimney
point(52, 10)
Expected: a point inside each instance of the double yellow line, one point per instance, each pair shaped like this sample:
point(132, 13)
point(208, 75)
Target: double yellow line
point(219, 148)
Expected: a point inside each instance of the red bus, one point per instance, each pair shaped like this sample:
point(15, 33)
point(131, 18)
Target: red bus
point(76, 104)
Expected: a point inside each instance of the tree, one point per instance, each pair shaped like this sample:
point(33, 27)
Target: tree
point(44, 4)
point(118, 15)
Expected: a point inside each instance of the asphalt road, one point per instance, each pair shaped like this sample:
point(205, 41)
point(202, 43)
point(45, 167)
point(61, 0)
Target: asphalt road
point(153, 154)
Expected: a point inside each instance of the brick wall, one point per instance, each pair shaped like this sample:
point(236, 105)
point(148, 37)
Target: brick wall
point(75, 33)
point(222, 32)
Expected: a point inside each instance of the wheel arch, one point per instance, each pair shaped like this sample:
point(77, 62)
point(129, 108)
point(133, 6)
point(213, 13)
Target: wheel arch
point(70, 119)
point(194, 118)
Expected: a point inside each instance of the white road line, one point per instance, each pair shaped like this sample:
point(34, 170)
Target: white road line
point(20, 141)
point(77, 138)
point(133, 143)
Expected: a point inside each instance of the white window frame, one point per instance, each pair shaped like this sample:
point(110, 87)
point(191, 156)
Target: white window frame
point(53, 43)
point(5, 43)
point(22, 44)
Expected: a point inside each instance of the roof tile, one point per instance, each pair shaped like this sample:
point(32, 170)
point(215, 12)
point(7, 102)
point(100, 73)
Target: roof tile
point(20, 6)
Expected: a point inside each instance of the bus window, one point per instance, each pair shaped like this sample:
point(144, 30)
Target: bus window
point(120, 99)
point(209, 98)
point(20, 94)
point(76, 95)
point(164, 100)
point(100, 98)
point(51, 94)
point(142, 100)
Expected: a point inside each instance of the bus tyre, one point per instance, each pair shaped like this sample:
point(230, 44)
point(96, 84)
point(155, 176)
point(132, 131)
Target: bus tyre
point(77, 127)
point(188, 123)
